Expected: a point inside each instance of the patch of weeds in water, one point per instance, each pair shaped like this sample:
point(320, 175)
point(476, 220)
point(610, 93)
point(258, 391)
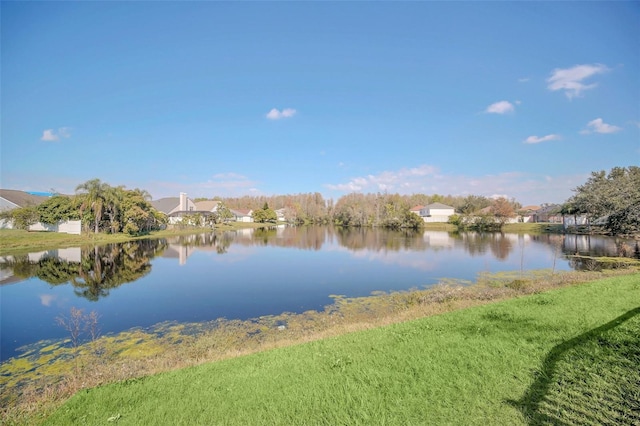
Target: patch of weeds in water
point(517, 284)
point(589, 263)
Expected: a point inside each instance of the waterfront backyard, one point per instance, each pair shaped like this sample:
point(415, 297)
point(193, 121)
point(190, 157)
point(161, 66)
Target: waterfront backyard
point(219, 295)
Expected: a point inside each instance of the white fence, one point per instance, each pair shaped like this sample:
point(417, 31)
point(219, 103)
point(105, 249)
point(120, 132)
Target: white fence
point(65, 227)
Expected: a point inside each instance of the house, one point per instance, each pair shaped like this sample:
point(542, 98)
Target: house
point(242, 215)
point(436, 212)
point(207, 206)
point(526, 214)
point(523, 215)
point(11, 199)
point(175, 207)
point(548, 214)
point(281, 214)
point(416, 209)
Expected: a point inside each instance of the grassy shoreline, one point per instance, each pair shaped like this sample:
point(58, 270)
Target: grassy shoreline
point(570, 355)
point(142, 354)
point(15, 241)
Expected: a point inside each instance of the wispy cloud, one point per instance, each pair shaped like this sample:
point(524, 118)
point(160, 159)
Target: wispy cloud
point(425, 179)
point(599, 126)
point(538, 139)
point(276, 114)
point(570, 80)
point(524, 80)
point(502, 107)
point(51, 135)
point(221, 184)
point(387, 180)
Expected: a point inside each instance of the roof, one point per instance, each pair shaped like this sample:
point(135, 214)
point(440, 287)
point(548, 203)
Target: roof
point(21, 198)
point(241, 212)
point(416, 208)
point(438, 206)
point(530, 208)
point(550, 209)
point(166, 205)
point(206, 205)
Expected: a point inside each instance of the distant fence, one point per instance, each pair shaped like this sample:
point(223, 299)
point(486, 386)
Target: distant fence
point(65, 227)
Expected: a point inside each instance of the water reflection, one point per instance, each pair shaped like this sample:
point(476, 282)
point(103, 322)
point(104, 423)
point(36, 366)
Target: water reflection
point(92, 272)
point(500, 245)
point(254, 272)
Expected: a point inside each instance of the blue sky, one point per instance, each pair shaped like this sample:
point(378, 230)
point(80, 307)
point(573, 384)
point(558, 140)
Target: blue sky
point(522, 99)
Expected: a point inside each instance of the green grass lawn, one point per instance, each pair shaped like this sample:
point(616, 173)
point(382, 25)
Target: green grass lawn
point(568, 356)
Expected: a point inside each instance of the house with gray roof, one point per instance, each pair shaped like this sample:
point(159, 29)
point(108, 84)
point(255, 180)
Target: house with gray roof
point(175, 207)
point(11, 199)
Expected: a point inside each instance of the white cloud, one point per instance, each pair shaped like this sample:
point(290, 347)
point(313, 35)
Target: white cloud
point(496, 196)
point(523, 80)
point(425, 179)
point(275, 114)
point(599, 126)
point(221, 184)
point(387, 180)
point(47, 299)
point(571, 79)
point(502, 107)
point(538, 139)
point(50, 135)
point(228, 176)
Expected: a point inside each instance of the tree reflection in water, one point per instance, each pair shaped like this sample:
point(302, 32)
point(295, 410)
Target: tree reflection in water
point(94, 271)
point(100, 268)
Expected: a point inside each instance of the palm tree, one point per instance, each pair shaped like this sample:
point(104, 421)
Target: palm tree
point(113, 206)
point(94, 197)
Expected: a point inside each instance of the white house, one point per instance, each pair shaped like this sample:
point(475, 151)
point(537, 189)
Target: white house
point(11, 199)
point(242, 215)
point(416, 209)
point(175, 207)
point(436, 212)
point(207, 206)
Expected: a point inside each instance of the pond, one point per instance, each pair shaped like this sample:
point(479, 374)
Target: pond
point(254, 272)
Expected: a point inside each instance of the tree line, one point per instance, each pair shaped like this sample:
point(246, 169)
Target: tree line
point(611, 200)
point(99, 206)
point(357, 209)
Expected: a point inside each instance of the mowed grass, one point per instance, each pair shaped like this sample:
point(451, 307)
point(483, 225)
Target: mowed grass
point(567, 356)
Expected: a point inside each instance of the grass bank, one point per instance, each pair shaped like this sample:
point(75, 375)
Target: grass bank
point(533, 228)
point(567, 355)
point(16, 241)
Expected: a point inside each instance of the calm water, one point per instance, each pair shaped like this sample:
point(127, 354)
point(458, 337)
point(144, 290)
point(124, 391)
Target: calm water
point(250, 273)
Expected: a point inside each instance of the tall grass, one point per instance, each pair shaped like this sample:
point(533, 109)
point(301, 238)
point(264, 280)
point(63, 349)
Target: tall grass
point(555, 357)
